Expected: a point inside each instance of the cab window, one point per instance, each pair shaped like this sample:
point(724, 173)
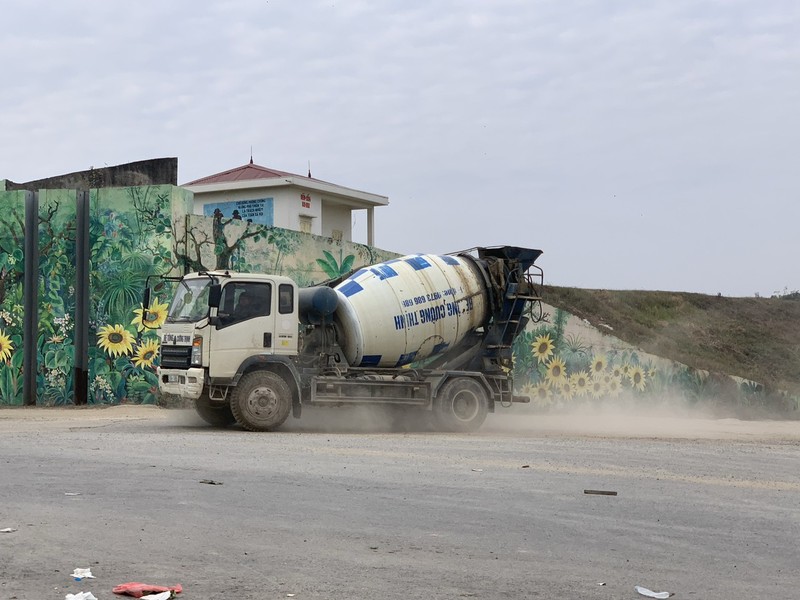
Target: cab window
point(244, 301)
point(285, 298)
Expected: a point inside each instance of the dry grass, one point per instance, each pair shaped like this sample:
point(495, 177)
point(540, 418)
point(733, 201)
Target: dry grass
point(755, 338)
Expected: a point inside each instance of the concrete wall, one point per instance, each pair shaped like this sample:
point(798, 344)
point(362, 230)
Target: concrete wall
point(336, 218)
point(156, 171)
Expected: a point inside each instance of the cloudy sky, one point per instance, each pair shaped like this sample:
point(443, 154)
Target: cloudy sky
point(642, 144)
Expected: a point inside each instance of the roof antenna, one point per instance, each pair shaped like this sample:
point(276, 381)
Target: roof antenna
point(309, 169)
point(251, 155)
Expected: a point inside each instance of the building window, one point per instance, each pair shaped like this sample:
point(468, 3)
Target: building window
point(305, 223)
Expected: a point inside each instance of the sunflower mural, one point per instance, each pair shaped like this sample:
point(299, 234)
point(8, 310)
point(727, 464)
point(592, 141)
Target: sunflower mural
point(126, 372)
point(556, 369)
point(115, 340)
point(132, 233)
point(153, 318)
point(6, 347)
point(146, 354)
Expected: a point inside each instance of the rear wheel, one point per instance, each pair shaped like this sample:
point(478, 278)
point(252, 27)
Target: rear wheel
point(218, 415)
point(262, 401)
point(461, 405)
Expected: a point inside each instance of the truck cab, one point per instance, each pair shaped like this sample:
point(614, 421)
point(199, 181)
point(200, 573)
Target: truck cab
point(231, 316)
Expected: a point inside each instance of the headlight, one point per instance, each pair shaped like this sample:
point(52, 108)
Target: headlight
point(197, 352)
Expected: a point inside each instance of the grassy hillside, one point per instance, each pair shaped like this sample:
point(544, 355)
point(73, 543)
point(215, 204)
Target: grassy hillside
point(755, 338)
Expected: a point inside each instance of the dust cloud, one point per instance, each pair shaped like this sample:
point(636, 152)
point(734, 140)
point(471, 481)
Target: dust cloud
point(667, 418)
point(351, 419)
point(622, 419)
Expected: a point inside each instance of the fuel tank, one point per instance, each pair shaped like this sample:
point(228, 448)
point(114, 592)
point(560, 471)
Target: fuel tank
point(410, 308)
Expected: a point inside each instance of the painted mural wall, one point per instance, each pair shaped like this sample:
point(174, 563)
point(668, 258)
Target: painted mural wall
point(132, 233)
point(12, 273)
point(137, 232)
point(219, 242)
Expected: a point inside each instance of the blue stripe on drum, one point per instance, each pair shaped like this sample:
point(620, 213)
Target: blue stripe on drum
point(451, 260)
point(440, 347)
point(384, 271)
point(418, 263)
point(371, 360)
point(406, 359)
point(350, 287)
point(357, 274)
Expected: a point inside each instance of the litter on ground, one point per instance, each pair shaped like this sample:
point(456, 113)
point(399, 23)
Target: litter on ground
point(81, 596)
point(79, 574)
point(650, 593)
point(137, 590)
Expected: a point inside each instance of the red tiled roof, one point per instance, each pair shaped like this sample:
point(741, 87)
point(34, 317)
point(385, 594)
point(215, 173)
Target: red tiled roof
point(248, 172)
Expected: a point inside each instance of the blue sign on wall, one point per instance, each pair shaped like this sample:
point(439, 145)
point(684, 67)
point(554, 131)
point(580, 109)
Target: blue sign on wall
point(258, 211)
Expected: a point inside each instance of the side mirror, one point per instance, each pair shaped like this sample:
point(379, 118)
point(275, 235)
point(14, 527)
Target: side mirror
point(214, 295)
point(146, 299)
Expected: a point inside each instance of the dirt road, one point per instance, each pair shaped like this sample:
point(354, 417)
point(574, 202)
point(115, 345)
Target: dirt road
point(704, 509)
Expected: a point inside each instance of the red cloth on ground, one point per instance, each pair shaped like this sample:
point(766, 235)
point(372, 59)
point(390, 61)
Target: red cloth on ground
point(137, 590)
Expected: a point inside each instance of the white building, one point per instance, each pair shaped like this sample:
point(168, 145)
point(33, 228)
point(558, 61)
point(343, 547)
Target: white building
point(272, 197)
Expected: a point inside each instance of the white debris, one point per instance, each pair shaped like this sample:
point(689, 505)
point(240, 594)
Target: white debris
point(651, 594)
point(8, 530)
point(81, 596)
point(160, 596)
point(79, 574)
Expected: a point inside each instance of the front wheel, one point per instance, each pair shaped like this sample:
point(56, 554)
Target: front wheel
point(218, 415)
point(262, 401)
point(461, 405)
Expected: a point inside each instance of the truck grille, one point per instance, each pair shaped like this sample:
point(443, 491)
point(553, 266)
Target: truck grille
point(176, 357)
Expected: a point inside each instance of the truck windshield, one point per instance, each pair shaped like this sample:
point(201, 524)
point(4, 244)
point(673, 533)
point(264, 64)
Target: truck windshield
point(191, 301)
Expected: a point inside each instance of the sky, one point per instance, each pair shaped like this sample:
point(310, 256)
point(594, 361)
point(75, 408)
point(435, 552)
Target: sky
point(640, 144)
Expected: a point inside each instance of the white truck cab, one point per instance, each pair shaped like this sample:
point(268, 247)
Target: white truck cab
point(228, 314)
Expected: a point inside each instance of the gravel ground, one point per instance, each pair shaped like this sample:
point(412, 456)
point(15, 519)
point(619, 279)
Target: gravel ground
point(335, 506)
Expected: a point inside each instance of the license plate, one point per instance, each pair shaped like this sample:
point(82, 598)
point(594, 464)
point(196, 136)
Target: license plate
point(173, 378)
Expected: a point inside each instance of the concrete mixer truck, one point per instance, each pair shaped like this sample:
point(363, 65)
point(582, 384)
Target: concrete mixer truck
point(426, 335)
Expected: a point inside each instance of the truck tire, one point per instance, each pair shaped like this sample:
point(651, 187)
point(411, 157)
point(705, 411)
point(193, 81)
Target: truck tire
point(262, 401)
point(461, 405)
point(218, 415)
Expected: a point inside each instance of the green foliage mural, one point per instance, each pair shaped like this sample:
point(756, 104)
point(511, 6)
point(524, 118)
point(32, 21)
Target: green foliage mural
point(133, 233)
point(55, 350)
point(333, 268)
point(11, 296)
